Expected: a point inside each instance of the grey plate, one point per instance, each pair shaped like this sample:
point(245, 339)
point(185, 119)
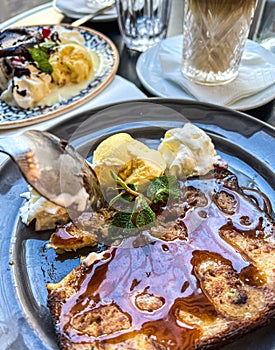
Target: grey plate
point(246, 143)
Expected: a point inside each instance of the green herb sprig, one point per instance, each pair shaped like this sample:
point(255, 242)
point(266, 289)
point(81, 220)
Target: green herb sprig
point(126, 191)
point(140, 214)
point(40, 54)
point(163, 188)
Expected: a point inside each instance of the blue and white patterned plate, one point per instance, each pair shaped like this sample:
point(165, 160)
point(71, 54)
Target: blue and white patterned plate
point(12, 117)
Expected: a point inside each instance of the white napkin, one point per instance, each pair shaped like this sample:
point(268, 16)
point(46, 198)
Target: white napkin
point(256, 73)
point(80, 7)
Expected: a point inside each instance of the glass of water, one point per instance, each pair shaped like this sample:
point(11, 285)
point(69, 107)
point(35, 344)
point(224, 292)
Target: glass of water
point(143, 23)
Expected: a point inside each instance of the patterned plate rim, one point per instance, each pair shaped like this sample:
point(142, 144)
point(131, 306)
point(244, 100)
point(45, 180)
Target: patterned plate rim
point(66, 108)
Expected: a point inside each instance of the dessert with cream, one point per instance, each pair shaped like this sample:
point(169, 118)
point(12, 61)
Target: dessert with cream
point(183, 152)
point(44, 67)
point(178, 265)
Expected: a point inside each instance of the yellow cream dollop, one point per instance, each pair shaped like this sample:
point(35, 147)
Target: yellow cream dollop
point(130, 159)
point(72, 63)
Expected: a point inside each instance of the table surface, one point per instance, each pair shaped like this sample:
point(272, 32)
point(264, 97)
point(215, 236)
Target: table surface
point(128, 58)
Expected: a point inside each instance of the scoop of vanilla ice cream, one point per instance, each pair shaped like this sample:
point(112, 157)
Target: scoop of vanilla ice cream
point(71, 63)
point(130, 159)
point(109, 144)
point(28, 90)
point(188, 151)
point(45, 213)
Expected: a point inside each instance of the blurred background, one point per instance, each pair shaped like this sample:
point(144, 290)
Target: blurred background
point(10, 8)
point(263, 27)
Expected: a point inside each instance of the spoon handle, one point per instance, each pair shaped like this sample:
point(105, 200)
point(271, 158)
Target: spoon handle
point(10, 146)
point(87, 18)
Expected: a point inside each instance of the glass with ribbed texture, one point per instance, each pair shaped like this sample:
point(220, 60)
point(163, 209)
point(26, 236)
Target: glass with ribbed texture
point(214, 35)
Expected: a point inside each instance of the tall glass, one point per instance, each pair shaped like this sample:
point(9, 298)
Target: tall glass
point(143, 23)
point(214, 35)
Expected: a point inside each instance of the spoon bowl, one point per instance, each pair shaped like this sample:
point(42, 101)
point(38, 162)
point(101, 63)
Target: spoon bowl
point(55, 170)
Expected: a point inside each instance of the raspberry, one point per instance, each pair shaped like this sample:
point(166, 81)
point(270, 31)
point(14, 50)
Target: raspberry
point(46, 32)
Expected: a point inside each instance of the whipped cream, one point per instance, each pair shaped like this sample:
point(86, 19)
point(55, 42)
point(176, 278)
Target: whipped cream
point(188, 151)
point(45, 213)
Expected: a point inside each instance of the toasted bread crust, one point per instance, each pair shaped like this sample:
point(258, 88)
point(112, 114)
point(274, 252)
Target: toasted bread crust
point(209, 285)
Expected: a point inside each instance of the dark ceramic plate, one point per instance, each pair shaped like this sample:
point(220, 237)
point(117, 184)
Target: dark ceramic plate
point(26, 262)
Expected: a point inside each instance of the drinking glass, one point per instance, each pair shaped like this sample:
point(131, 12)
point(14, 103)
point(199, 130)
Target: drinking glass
point(214, 35)
point(143, 23)
point(266, 36)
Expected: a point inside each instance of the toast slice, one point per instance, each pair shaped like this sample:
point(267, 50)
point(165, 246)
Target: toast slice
point(87, 230)
point(205, 277)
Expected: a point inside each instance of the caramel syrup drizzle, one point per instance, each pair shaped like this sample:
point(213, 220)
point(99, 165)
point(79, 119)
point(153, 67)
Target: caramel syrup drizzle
point(164, 271)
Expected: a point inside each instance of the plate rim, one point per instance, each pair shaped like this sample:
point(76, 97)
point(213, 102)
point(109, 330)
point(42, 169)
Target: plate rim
point(82, 100)
point(235, 106)
point(175, 100)
point(99, 18)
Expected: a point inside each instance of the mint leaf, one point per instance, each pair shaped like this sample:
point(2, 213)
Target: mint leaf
point(162, 188)
point(121, 226)
point(123, 195)
point(41, 56)
point(119, 181)
point(125, 224)
point(122, 219)
point(142, 214)
point(121, 185)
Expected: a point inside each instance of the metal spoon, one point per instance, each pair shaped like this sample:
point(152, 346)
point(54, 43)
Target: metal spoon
point(87, 18)
point(54, 169)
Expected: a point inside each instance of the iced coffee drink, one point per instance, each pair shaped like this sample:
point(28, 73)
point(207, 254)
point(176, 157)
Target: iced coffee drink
point(214, 34)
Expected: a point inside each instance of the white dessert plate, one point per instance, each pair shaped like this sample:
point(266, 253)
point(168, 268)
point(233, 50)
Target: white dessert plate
point(78, 8)
point(150, 74)
point(105, 73)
